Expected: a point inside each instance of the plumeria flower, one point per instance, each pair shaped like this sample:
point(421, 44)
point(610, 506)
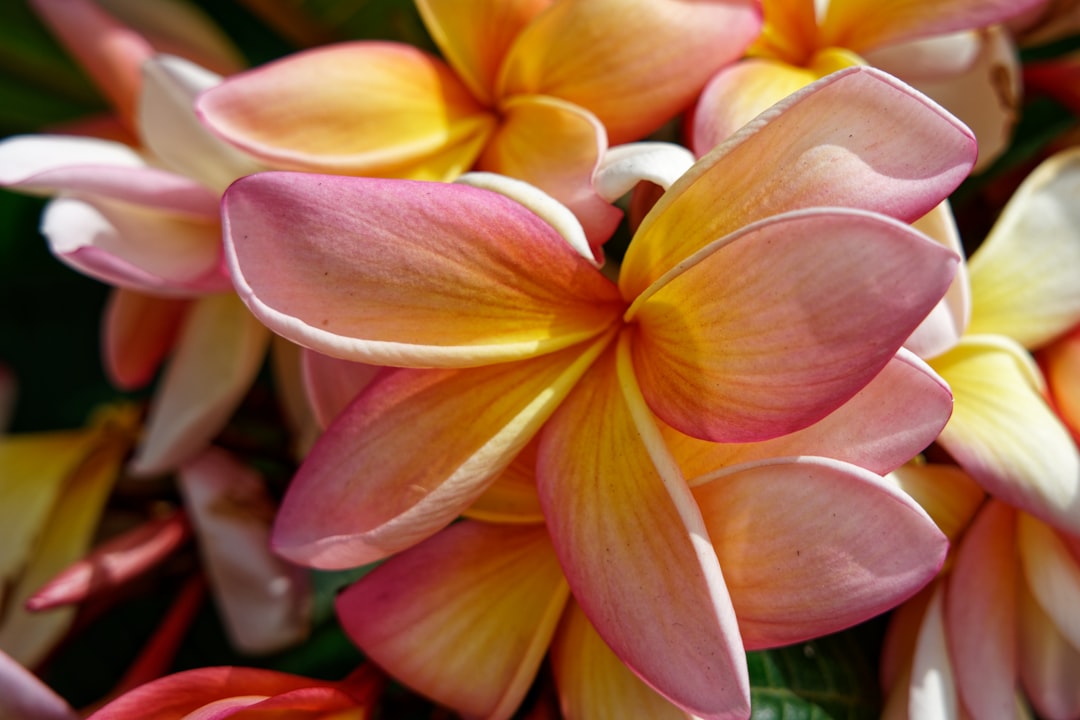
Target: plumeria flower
point(1023, 296)
point(534, 89)
point(146, 221)
point(504, 332)
point(946, 49)
point(1060, 362)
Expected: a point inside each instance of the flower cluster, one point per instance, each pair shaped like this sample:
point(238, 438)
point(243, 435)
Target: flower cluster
point(550, 358)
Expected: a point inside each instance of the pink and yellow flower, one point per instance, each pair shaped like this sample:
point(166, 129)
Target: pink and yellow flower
point(534, 89)
point(762, 292)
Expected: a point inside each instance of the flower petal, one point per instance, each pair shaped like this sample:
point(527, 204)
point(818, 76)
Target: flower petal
point(1049, 664)
point(811, 545)
point(360, 108)
point(857, 138)
point(474, 36)
point(726, 352)
point(216, 357)
point(264, 601)
point(933, 691)
point(1005, 435)
point(945, 324)
point(332, 384)
point(1023, 278)
point(139, 332)
point(465, 617)
point(394, 272)
point(892, 419)
point(625, 166)
point(512, 496)
point(593, 682)
point(23, 695)
point(634, 547)
point(980, 614)
point(368, 489)
point(1052, 573)
point(590, 54)
point(555, 146)
point(1062, 366)
point(945, 492)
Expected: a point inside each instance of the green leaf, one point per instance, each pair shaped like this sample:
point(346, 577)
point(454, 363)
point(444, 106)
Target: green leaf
point(831, 678)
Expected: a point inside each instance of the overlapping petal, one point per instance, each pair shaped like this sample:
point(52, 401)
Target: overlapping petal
point(1004, 433)
point(575, 52)
point(948, 320)
point(403, 273)
point(331, 384)
point(1053, 574)
point(512, 496)
point(889, 421)
point(634, 547)
point(218, 352)
point(139, 331)
point(1061, 362)
point(388, 472)
point(811, 545)
point(375, 108)
point(1023, 277)
point(845, 140)
point(948, 494)
point(724, 352)
point(465, 617)
point(932, 693)
point(1049, 664)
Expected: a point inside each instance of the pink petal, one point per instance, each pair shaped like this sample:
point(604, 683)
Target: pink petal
point(394, 272)
point(758, 360)
point(1049, 663)
point(1052, 573)
point(217, 355)
point(412, 452)
point(465, 617)
point(332, 384)
point(980, 614)
point(810, 545)
point(139, 332)
point(894, 417)
point(857, 138)
point(23, 695)
point(634, 547)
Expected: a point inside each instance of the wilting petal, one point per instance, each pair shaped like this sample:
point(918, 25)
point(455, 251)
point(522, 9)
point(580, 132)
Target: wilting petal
point(139, 331)
point(1023, 278)
point(465, 617)
point(394, 272)
point(861, 25)
point(1049, 664)
point(413, 451)
point(136, 248)
point(170, 128)
point(1005, 435)
point(945, 324)
point(590, 54)
point(512, 497)
point(109, 52)
point(634, 547)
point(263, 600)
point(945, 492)
point(593, 682)
point(23, 695)
point(555, 146)
point(739, 92)
point(332, 384)
point(474, 36)
point(892, 419)
point(810, 545)
point(980, 614)
point(1052, 573)
point(856, 138)
point(362, 108)
point(725, 353)
point(218, 353)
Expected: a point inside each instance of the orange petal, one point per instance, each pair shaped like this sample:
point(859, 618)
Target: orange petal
point(140, 330)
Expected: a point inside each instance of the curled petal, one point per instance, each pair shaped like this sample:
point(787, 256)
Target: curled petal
point(593, 682)
point(465, 617)
point(894, 417)
point(1023, 278)
point(1053, 575)
point(575, 51)
point(394, 272)
point(1005, 435)
point(726, 353)
point(624, 166)
point(217, 355)
point(362, 108)
point(648, 580)
point(811, 545)
point(385, 475)
point(139, 331)
point(980, 614)
point(856, 138)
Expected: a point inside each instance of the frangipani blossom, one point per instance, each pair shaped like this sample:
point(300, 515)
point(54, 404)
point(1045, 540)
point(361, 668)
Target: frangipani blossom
point(1024, 295)
point(533, 89)
point(503, 332)
point(943, 48)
